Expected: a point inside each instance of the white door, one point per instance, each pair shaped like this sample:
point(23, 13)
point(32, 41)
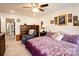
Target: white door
point(10, 28)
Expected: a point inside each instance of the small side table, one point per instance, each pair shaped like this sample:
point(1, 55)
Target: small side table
point(43, 33)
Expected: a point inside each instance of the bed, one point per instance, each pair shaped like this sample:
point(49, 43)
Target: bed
point(46, 46)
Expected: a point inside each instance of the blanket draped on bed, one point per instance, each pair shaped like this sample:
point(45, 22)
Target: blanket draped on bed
point(45, 46)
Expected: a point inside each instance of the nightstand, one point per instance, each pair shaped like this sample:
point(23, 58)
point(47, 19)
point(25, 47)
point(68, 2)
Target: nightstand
point(43, 33)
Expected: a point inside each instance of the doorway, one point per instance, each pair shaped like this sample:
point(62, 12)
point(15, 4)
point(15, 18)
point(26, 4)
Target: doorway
point(10, 28)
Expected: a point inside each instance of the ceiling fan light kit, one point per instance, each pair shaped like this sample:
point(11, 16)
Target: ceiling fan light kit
point(12, 11)
point(36, 7)
point(35, 10)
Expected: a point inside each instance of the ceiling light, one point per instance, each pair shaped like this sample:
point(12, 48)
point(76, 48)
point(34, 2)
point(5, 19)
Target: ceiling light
point(34, 14)
point(35, 10)
point(12, 11)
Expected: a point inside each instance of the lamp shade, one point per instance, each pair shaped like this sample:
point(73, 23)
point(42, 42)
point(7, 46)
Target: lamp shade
point(43, 26)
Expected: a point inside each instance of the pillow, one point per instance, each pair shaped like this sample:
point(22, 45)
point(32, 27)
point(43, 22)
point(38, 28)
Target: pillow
point(71, 38)
point(31, 31)
point(49, 34)
point(59, 37)
point(77, 41)
point(54, 36)
point(66, 37)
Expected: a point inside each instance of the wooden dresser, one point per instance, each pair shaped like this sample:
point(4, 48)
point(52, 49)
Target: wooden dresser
point(25, 30)
point(2, 44)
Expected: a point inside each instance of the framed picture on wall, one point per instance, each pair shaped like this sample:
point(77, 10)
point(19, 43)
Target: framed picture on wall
point(62, 20)
point(41, 24)
point(75, 21)
point(69, 15)
point(55, 19)
point(75, 18)
point(51, 21)
point(70, 18)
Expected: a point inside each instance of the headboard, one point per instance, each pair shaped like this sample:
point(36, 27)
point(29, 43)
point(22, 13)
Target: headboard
point(24, 29)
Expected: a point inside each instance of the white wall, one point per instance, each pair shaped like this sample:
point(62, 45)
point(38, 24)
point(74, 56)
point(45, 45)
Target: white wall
point(28, 20)
point(69, 28)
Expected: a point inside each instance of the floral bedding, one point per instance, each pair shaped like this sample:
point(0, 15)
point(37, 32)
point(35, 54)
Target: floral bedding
point(45, 46)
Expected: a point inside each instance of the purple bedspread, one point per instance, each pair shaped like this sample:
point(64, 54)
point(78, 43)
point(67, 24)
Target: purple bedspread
point(45, 46)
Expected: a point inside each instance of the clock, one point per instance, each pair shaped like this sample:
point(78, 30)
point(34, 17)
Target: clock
point(18, 20)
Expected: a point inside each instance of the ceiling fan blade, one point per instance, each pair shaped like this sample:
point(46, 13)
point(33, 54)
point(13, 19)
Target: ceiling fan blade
point(26, 7)
point(41, 9)
point(44, 5)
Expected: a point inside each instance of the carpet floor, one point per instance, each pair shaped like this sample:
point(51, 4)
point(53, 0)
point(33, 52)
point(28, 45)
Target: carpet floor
point(15, 48)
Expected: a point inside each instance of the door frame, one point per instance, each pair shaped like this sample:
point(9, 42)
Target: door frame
point(13, 22)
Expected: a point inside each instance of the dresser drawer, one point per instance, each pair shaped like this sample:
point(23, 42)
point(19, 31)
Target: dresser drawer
point(2, 44)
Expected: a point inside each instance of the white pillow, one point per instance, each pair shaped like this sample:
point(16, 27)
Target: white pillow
point(31, 31)
point(59, 37)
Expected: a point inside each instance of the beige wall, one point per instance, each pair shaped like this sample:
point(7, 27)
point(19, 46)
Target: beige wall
point(69, 28)
point(28, 20)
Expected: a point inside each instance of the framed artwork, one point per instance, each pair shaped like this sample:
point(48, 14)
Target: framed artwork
point(62, 20)
point(51, 21)
point(69, 15)
point(41, 24)
point(75, 18)
point(55, 18)
point(75, 21)
point(69, 18)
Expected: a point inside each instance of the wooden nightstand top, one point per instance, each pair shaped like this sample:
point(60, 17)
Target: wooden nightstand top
point(43, 33)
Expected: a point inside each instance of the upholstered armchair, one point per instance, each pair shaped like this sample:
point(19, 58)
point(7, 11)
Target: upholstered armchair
point(32, 34)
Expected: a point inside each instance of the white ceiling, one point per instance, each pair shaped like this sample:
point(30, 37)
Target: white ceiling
point(17, 7)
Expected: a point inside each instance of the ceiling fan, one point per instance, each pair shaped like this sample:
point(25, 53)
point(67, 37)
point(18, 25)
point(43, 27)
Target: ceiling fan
point(36, 7)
